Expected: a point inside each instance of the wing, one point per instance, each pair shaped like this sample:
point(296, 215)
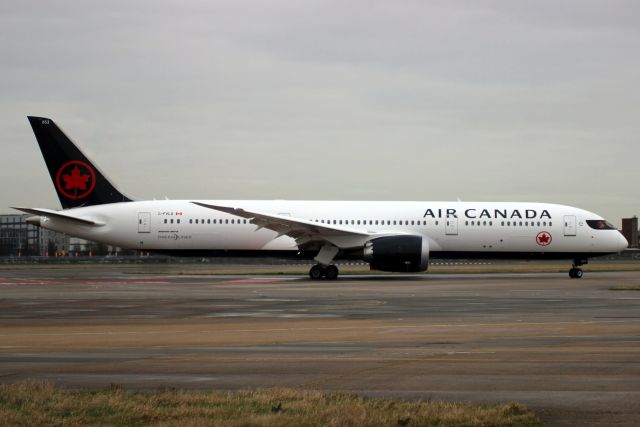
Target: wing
point(303, 231)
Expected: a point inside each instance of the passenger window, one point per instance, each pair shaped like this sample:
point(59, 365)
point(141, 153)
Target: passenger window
point(226, 221)
point(171, 220)
point(190, 221)
point(165, 220)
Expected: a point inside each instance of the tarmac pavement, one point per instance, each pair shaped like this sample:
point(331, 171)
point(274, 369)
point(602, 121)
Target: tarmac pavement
point(569, 349)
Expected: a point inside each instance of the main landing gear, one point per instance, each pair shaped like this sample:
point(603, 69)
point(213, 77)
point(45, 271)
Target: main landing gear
point(324, 269)
point(576, 272)
point(319, 271)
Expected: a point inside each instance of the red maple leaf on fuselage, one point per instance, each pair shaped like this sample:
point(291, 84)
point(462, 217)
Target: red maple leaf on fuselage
point(75, 181)
point(543, 238)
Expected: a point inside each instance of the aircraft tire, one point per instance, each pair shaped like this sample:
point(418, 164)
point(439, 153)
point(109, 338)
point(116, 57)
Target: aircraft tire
point(316, 272)
point(331, 272)
point(575, 273)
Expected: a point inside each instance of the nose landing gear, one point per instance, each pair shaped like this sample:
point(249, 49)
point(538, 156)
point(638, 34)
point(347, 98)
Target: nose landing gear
point(576, 272)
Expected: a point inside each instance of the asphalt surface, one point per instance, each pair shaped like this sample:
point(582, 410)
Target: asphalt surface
point(569, 349)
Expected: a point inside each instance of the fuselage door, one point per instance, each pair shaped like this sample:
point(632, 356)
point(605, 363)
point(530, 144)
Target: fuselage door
point(569, 225)
point(451, 226)
point(144, 222)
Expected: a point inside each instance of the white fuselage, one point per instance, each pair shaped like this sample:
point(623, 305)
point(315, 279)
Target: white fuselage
point(474, 229)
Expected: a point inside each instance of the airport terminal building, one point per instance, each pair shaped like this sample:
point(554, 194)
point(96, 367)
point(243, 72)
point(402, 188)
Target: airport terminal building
point(630, 231)
point(19, 239)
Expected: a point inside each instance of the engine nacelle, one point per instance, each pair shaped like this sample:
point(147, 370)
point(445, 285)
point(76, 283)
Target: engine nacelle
point(397, 253)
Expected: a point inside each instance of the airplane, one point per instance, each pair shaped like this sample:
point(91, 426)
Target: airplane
point(389, 235)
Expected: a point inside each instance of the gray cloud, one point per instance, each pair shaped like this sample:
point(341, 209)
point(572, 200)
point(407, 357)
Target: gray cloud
point(330, 100)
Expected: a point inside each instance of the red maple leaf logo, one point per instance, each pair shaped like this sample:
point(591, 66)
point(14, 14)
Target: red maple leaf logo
point(75, 181)
point(543, 238)
point(79, 180)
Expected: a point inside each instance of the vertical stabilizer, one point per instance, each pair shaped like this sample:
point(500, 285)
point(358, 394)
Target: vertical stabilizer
point(76, 180)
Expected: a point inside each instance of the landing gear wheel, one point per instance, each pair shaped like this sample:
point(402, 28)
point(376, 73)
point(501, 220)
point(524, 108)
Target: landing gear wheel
point(316, 272)
point(575, 273)
point(331, 272)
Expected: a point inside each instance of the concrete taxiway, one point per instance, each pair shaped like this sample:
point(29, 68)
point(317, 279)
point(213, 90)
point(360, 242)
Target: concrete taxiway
point(570, 349)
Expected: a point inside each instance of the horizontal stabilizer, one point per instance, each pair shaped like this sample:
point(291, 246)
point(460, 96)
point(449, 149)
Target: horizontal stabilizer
point(58, 215)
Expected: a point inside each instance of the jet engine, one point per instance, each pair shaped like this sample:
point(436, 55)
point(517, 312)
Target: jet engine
point(397, 253)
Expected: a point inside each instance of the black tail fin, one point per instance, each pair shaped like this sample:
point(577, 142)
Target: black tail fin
point(76, 180)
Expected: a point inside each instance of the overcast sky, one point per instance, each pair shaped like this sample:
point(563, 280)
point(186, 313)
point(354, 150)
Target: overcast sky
point(363, 100)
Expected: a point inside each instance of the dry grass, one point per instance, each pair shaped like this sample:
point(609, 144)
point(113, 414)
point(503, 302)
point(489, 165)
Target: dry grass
point(42, 404)
point(625, 288)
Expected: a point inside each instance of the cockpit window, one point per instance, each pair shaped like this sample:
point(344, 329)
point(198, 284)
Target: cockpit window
point(600, 224)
